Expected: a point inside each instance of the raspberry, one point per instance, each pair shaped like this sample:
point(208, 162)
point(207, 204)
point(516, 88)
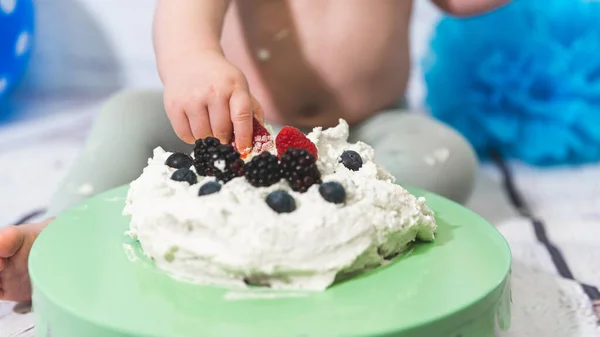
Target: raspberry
point(291, 137)
point(219, 160)
point(263, 170)
point(300, 169)
point(261, 140)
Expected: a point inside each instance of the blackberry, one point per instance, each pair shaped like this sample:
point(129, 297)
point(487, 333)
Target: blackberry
point(352, 160)
point(263, 170)
point(219, 160)
point(228, 163)
point(299, 168)
point(203, 153)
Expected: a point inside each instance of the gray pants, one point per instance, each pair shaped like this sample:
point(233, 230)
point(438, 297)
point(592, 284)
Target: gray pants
point(417, 150)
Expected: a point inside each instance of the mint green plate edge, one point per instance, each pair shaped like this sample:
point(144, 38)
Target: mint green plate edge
point(55, 309)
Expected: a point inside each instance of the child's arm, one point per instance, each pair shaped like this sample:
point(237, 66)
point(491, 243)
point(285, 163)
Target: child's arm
point(184, 27)
point(205, 95)
point(469, 7)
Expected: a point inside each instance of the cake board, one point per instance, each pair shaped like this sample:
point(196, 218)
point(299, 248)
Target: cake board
point(90, 279)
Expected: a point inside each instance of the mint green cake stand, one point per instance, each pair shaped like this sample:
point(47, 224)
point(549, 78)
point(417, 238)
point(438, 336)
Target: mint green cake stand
point(90, 280)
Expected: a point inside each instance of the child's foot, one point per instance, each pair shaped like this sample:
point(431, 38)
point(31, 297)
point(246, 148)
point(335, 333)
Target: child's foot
point(15, 244)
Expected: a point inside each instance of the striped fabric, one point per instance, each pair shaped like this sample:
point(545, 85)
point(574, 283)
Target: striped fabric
point(551, 219)
point(555, 208)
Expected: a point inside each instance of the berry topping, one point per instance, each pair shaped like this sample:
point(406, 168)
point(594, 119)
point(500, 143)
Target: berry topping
point(299, 168)
point(203, 153)
point(261, 140)
point(352, 160)
point(281, 202)
point(218, 160)
point(209, 188)
point(170, 254)
point(333, 192)
point(179, 160)
point(291, 137)
point(263, 170)
point(185, 174)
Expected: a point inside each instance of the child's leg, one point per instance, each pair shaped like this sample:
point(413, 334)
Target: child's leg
point(125, 132)
point(421, 152)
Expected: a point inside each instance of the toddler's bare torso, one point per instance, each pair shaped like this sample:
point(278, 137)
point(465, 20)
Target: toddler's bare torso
point(310, 62)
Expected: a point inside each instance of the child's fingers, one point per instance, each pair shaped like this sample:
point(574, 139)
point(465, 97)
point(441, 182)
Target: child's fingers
point(240, 105)
point(220, 120)
point(2, 264)
point(11, 239)
point(199, 122)
point(257, 110)
point(181, 126)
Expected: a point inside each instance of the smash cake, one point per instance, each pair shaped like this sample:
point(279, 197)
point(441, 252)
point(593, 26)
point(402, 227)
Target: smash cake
point(294, 212)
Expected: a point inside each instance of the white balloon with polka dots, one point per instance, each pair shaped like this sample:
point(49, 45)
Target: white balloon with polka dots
point(8, 6)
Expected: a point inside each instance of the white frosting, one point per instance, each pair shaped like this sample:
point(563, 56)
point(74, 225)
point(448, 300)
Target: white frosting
point(225, 237)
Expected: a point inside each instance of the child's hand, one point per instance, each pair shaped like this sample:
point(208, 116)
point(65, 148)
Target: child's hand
point(206, 95)
point(464, 8)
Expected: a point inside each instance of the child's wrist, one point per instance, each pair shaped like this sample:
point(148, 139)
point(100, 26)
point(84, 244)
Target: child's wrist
point(174, 61)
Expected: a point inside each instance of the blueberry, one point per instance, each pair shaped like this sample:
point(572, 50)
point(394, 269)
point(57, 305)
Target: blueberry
point(352, 160)
point(185, 174)
point(209, 188)
point(179, 160)
point(333, 192)
point(281, 202)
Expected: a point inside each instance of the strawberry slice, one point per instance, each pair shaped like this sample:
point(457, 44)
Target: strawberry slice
point(291, 137)
point(261, 140)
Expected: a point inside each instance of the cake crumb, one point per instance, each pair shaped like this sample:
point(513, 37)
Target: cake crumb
point(220, 165)
point(263, 55)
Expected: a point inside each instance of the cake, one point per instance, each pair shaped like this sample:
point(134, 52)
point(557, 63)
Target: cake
point(294, 212)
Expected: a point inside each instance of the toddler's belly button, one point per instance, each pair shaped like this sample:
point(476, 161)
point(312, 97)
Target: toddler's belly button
point(310, 109)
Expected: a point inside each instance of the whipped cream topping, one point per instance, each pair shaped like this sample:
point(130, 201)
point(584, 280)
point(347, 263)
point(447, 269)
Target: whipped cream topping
point(233, 237)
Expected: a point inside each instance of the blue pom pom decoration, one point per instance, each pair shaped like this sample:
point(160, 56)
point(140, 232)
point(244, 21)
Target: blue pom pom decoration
point(522, 81)
point(16, 39)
